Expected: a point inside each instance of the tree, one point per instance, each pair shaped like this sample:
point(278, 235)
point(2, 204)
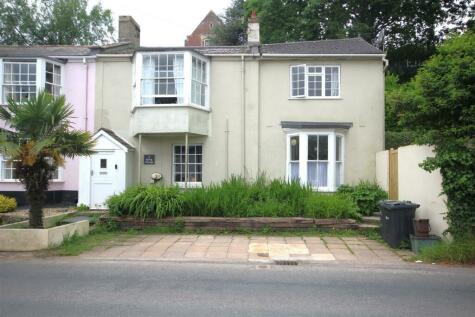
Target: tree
point(408, 29)
point(442, 112)
point(54, 22)
point(233, 29)
point(42, 139)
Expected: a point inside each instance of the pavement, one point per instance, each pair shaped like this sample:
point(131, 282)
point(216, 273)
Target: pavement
point(77, 287)
point(250, 249)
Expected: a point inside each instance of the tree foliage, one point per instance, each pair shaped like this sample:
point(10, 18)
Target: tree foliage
point(408, 29)
point(43, 138)
point(442, 113)
point(54, 22)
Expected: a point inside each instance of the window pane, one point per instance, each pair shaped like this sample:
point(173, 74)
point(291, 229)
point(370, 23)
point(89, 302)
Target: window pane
point(294, 171)
point(103, 163)
point(317, 174)
point(338, 148)
point(338, 173)
point(323, 147)
point(298, 80)
point(312, 147)
point(294, 148)
point(332, 81)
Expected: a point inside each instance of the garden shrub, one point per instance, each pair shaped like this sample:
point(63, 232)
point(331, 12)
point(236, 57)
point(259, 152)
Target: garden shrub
point(7, 204)
point(147, 202)
point(366, 195)
point(236, 197)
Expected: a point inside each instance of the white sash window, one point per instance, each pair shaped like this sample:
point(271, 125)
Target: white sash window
point(316, 159)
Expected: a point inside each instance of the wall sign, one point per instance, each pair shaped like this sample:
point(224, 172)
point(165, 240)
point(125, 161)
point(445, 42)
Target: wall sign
point(149, 159)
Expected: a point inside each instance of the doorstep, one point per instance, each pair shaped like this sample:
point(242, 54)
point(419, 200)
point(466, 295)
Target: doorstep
point(250, 249)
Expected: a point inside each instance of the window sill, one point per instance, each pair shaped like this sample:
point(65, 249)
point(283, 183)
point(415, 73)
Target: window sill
point(181, 105)
point(13, 181)
point(189, 185)
point(315, 98)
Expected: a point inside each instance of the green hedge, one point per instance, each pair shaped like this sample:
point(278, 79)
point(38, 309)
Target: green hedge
point(366, 195)
point(236, 197)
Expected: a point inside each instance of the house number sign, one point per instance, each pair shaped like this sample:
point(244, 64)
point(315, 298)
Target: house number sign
point(149, 159)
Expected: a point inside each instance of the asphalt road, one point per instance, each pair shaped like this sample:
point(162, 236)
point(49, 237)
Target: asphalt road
point(78, 288)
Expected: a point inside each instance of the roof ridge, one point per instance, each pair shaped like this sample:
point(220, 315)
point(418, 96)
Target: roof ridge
point(323, 40)
point(50, 45)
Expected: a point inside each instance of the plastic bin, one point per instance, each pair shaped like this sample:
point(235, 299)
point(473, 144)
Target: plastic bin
point(396, 221)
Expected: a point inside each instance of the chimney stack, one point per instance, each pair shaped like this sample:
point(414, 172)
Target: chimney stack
point(129, 30)
point(253, 37)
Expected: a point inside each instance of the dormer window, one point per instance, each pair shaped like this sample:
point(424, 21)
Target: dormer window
point(172, 78)
point(21, 79)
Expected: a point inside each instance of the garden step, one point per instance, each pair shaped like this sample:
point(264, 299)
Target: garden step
point(371, 220)
point(367, 226)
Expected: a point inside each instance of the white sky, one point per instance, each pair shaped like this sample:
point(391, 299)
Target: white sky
point(164, 22)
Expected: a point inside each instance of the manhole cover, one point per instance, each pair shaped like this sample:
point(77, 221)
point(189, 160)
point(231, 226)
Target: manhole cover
point(285, 262)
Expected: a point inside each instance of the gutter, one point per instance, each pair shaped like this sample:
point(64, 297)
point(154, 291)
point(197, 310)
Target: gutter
point(243, 110)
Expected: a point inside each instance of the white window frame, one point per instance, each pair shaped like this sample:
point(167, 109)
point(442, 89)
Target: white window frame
point(61, 76)
point(200, 82)
point(40, 74)
point(306, 95)
point(303, 157)
point(60, 178)
point(187, 72)
point(187, 184)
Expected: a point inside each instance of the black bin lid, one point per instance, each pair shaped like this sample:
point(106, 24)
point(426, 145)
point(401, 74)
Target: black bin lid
point(397, 204)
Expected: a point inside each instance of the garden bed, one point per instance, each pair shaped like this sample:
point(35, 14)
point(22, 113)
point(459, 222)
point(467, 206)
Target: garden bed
point(230, 223)
point(18, 237)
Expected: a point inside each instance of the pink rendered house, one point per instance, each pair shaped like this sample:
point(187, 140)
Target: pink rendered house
point(61, 70)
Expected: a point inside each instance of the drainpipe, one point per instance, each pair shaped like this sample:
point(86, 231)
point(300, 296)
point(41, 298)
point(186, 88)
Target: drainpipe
point(186, 160)
point(84, 61)
point(139, 169)
point(226, 152)
point(259, 123)
point(243, 109)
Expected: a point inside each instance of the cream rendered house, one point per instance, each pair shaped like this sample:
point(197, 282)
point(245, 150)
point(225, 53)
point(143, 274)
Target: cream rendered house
point(312, 111)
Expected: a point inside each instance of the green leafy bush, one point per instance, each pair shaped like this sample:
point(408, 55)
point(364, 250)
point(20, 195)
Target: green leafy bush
point(147, 201)
point(331, 206)
point(366, 195)
point(7, 204)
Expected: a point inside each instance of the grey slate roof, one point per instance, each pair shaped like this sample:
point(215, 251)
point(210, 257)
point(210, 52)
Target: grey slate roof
point(46, 50)
point(117, 138)
point(341, 46)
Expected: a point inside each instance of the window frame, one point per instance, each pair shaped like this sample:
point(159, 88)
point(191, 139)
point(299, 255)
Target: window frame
point(323, 85)
point(187, 81)
point(60, 173)
point(200, 83)
point(186, 184)
point(303, 157)
point(61, 76)
point(40, 74)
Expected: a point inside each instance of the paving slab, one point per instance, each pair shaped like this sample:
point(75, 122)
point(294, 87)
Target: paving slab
point(253, 249)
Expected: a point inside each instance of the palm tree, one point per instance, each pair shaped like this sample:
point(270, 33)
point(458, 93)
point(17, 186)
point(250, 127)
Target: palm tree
point(43, 137)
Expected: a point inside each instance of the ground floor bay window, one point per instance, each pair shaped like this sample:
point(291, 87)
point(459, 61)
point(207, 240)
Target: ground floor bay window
point(316, 159)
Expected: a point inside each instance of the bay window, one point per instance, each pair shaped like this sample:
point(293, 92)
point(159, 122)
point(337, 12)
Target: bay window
point(172, 78)
point(316, 159)
point(21, 79)
point(314, 81)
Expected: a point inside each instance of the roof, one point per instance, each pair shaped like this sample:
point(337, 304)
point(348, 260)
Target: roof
point(315, 125)
point(47, 50)
point(340, 46)
point(116, 137)
point(353, 46)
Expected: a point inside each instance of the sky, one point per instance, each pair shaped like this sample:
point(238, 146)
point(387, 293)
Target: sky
point(164, 22)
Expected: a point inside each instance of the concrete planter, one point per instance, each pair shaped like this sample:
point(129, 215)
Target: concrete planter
point(15, 238)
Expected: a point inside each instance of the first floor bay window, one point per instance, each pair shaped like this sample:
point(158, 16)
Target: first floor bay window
point(316, 159)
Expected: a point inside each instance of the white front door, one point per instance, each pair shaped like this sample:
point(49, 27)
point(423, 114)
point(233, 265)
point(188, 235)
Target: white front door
point(103, 175)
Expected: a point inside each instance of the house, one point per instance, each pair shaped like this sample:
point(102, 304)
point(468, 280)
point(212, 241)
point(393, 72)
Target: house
point(312, 111)
point(60, 70)
point(201, 34)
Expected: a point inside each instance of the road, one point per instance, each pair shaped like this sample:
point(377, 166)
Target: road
point(68, 287)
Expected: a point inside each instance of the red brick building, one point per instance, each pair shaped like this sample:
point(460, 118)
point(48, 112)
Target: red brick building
point(200, 36)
